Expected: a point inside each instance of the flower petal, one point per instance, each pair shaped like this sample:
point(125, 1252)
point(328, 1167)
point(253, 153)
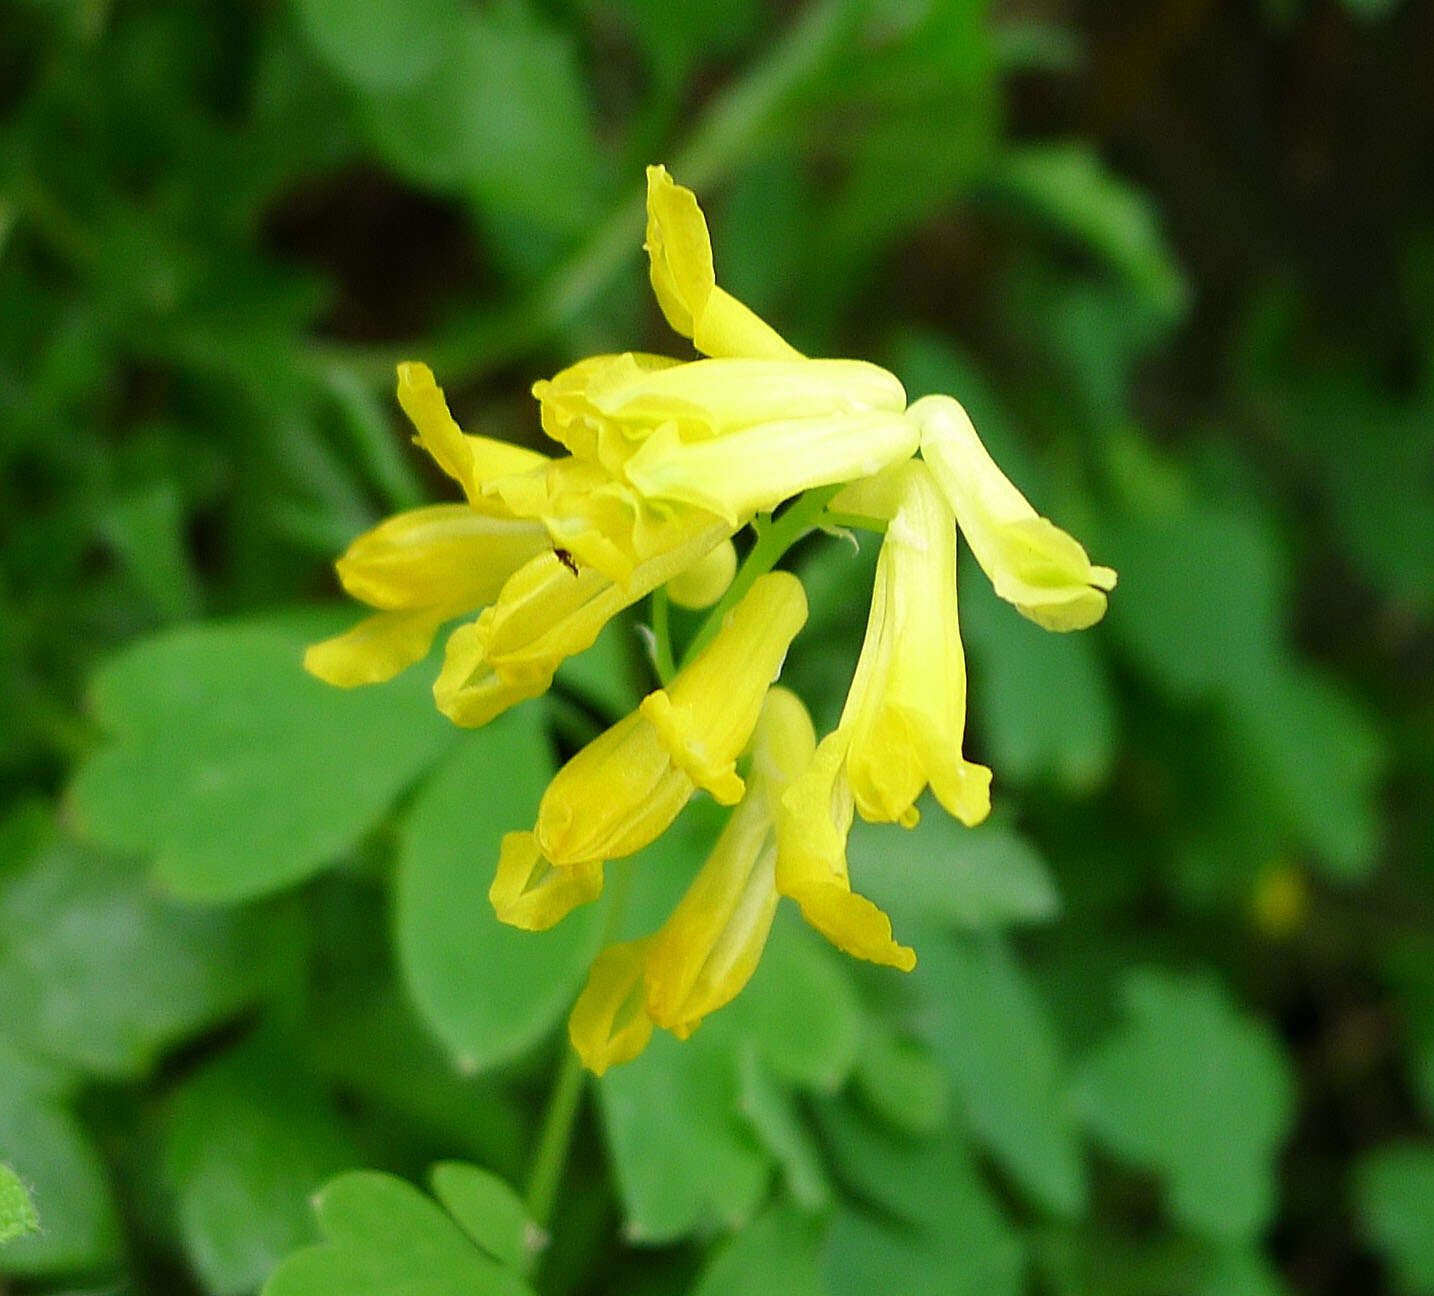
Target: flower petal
point(376, 649)
point(609, 1024)
point(530, 892)
point(680, 265)
point(1032, 563)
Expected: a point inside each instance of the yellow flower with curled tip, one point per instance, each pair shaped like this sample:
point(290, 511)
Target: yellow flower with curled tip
point(1030, 561)
point(812, 826)
point(428, 565)
point(709, 947)
point(624, 789)
point(906, 709)
point(684, 281)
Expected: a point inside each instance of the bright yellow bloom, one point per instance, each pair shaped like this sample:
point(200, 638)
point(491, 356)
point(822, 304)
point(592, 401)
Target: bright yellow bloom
point(679, 253)
point(812, 827)
point(1031, 562)
point(624, 789)
point(429, 565)
point(906, 709)
point(609, 1023)
point(666, 461)
point(709, 947)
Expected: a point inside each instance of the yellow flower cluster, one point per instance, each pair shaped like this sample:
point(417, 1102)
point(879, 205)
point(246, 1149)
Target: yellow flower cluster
point(666, 461)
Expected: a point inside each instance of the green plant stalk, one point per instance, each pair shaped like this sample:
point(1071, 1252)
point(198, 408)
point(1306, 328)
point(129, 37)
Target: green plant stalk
point(565, 1102)
point(775, 535)
point(662, 657)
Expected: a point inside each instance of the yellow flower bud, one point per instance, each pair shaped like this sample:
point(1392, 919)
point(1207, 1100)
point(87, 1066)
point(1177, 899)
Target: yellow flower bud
point(702, 584)
point(530, 892)
point(609, 1024)
point(1031, 562)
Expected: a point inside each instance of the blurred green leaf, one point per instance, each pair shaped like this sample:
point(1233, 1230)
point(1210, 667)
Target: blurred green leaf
point(1196, 1092)
point(487, 1209)
point(928, 1227)
point(1068, 186)
point(17, 1211)
point(237, 771)
point(1394, 1192)
point(53, 1155)
point(771, 1109)
point(248, 1140)
point(943, 873)
point(383, 1236)
point(503, 118)
point(1042, 700)
point(1322, 758)
point(683, 1161)
point(487, 990)
point(778, 1252)
point(97, 970)
point(381, 44)
point(902, 1082)
point(997, 1041)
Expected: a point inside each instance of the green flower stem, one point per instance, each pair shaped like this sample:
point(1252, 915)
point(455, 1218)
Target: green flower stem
point(662, 636)
point(775, 535)
point(566, 1100)
point(852, 521)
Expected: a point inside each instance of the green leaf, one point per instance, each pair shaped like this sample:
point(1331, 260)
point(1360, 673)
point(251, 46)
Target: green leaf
point(1068, 186)
point(1394, 1191)
point(932, 1230)
point(902, 1082)
point(771, 1110)
point(17, 1211)
point(248, 1141)
point(56, 1160)
point(997, 1041)
point(1202, 603)
point(941, 873)
point(1196, 1092)
point(236, 770)
point(1042, 700)
point(778, 1252)
point(1321, 756)
point(800, 1010)
point(383, 1236)
point(487, 1209)
point(381, 44)
point(488, 991)
point(683, 1161)
point(97, 970)
point(502, 118)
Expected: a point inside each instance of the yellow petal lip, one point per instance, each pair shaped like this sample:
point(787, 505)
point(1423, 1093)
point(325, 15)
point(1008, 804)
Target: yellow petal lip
point(1030, 561)
point(609, 1024)
point(375, 650)
point(469, 460)
point(812, 825)
point(530, 892)
point(680, 266)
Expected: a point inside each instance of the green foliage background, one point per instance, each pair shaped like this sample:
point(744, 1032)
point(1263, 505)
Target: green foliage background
point(1172, 1030)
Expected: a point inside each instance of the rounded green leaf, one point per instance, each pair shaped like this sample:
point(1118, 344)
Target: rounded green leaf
point(488, 991)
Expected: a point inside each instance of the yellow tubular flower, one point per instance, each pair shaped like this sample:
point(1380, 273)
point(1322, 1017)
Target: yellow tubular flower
point(679, 251)
point(1031, 562)
point(428, 565)
point(624, 789)
point(546, 612)
point(812, 827)
point(753, 470)
point(530, 892)
point(906, 709)
point(609, 1023)
point(709, 947)
point(705, 717)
